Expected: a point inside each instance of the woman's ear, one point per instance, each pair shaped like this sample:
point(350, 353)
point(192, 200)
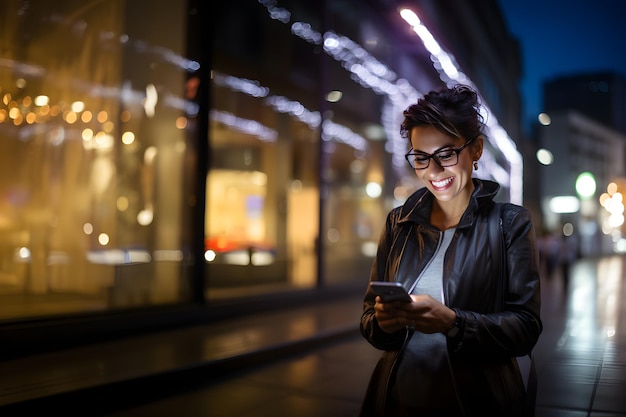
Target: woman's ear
point(477, 148)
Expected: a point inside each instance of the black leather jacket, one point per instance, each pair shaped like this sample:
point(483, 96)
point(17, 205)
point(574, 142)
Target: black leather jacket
point(493, 331)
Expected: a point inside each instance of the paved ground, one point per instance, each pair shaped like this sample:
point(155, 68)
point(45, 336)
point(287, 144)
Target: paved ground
point(311, 361)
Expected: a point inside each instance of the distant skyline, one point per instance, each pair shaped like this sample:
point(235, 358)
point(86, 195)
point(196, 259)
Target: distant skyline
point(563, 37)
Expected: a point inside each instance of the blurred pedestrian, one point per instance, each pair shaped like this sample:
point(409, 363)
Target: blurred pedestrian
point(549, 245)
point(452, 350)
point(568, 253)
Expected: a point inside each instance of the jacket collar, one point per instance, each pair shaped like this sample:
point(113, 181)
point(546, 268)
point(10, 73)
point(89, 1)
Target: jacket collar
point(418, 206)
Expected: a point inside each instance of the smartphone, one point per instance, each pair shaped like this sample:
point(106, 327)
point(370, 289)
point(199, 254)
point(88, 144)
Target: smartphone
point(390, 291)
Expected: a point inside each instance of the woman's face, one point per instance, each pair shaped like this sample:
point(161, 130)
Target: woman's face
point(451, 183)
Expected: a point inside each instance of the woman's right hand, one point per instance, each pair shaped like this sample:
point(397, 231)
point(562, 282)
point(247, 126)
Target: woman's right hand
point(391, 316)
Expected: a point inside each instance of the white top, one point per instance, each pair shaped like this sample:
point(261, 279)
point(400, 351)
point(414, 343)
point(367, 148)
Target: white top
point(430, 281)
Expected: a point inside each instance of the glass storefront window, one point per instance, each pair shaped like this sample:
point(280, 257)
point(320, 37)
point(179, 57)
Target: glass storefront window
point(292, 127)
point(93, 139)
point(103, 174)
point(262, 198)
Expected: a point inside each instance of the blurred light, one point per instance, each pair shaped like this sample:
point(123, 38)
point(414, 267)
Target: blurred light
point(568, 229)
point(615, 220)
point(545, 157)
point(544, 119)
point(564, 204)
point(41, 100)
point(304, 31)
point(620, 246)
point(611, 188)
point(22, 254)
point(172, 255)
point(275, 12)
point(585, 185)
point(240, 257)
point(118, 256)
point(369, 249)
point(401, 193)
point(108, 127)
point(122, 203)
point(334, 96)
point(249, 87)
point(86, 116)
point(103, 239)
point(181, 122)
point(373, 189)
point(248, 126)
point(296, 185)
point(150, 102)
point(210, 255)
point(262, 258)
point(333, 234)
point(357, 166)
point(100, 141)
point(144, 217)
point(77, 106)
point(604, 198)
point(374, 132)
point(87, 134)
point(149, 154)
point(87, 228)
point(332, 130)
point(128, 138)
point(70, 117)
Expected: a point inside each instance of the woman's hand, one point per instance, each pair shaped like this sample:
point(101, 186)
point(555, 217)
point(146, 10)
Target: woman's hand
point(424, 314)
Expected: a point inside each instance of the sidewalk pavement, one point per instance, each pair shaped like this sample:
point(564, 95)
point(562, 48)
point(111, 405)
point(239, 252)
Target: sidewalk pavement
point(111, 375)
point(310, 361)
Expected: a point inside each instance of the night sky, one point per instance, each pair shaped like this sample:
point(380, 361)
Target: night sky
point(562, 37)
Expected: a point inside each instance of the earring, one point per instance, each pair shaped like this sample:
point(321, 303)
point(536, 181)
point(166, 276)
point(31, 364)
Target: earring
point(475, 165)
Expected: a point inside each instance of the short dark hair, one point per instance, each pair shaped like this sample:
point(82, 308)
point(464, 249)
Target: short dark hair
point(454, 111)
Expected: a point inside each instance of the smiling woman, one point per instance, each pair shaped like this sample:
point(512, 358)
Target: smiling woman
point(459, 332)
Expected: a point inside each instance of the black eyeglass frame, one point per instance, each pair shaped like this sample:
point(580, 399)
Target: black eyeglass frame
point(434, 157)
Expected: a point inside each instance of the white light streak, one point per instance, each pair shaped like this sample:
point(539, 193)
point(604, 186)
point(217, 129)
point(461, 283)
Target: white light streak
point(450, 73)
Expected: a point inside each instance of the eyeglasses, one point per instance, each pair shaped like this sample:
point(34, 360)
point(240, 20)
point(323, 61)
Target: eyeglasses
point(444, 158)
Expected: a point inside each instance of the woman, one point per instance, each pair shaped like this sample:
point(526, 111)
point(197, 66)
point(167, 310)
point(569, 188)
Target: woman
point(452, 350)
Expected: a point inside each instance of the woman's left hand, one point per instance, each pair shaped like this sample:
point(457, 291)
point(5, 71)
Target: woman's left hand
point(427, 315)
point(423, 314)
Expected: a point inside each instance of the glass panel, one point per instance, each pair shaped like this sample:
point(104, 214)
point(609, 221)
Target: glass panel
point(277, 93)
point(262, 198)
point(92, 140)
point(262, 211)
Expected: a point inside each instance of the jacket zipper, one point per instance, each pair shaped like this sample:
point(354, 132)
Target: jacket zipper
point(419, 277)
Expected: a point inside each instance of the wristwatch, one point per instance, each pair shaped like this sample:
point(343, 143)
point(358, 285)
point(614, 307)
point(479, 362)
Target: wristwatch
point(454, 329)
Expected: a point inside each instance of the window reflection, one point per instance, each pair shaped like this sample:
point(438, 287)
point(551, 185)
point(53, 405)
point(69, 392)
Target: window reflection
point(91, 172)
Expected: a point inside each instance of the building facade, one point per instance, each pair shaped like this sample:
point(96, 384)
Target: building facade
point(583, 128)
point(581, 145)
point(210, 156)
point(601, 96)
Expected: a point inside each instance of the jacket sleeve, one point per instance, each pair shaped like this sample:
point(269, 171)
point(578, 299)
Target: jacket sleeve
point(369, 326)
point(514, 331)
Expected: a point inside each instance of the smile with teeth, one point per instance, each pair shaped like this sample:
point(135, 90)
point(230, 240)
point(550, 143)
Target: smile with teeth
point(442, 183)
